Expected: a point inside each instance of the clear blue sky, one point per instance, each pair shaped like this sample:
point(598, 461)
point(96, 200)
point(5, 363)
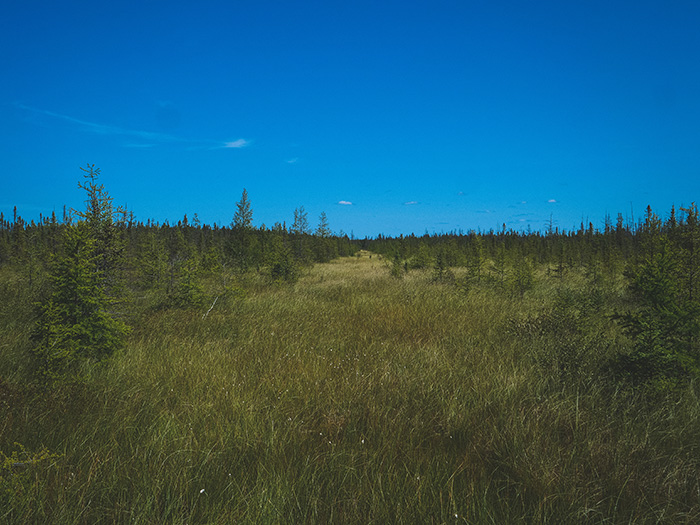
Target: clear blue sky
point(392, 117)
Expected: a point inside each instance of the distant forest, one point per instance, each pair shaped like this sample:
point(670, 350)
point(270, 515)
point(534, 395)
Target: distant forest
point(155, 254)
point(90, 267)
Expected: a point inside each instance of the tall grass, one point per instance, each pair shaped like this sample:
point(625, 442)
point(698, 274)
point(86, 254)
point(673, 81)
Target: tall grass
point(356, 397)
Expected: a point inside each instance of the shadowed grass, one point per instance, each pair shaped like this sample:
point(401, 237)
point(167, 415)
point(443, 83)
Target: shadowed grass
point(355, 397)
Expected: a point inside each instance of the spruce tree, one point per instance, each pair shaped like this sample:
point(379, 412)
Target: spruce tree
point(689, 240)
point(323, 230)
point(523, 275)
point(300, 228)
point(301, 221)
point(105, 225)
point(77, 321)
point(423, 259)
point(242, 225)
point(499, 264)
point(665, 322)
point(441, 268)
point(324, 246)
point(475, 259)
point(243, 218)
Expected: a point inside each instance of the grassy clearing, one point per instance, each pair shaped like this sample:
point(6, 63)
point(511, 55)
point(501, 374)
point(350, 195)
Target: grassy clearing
point(356, 397)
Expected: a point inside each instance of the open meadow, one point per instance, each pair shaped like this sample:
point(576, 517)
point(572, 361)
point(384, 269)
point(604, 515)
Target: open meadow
point(365, 263)
point(352, 396)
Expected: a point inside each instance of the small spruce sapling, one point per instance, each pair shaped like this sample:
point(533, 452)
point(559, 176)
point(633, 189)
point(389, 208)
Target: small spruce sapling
point(77, 323)
point(242, 226)
point(665, 324)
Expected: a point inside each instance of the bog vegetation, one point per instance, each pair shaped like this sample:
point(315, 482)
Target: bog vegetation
point(186, 373)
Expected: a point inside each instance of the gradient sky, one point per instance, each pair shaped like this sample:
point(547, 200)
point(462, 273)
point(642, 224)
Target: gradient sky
point(392, 117)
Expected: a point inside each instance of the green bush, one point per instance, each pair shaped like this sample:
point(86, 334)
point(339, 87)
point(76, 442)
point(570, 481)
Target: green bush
point(282, 265)
point(664, 325)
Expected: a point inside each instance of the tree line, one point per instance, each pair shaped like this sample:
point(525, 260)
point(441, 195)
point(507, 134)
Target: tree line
point(87, 269)
point(85, 272)
point(655, 263)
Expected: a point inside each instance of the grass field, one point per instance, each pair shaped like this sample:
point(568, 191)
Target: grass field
point(354, 397)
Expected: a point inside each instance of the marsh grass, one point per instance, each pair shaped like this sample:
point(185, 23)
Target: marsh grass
point(352, 396)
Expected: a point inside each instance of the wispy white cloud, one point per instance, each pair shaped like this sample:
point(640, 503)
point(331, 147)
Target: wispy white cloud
point(552, 201)
point(240, 143)
point(151, 138)
point(104, 129)
point(292, 161)
point(345, 203)
point(410, 203)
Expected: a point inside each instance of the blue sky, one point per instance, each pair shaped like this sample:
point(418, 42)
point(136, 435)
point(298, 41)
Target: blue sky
point(392, 117)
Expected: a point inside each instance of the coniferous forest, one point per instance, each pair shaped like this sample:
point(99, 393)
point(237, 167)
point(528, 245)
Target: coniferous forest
point(187, 373)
